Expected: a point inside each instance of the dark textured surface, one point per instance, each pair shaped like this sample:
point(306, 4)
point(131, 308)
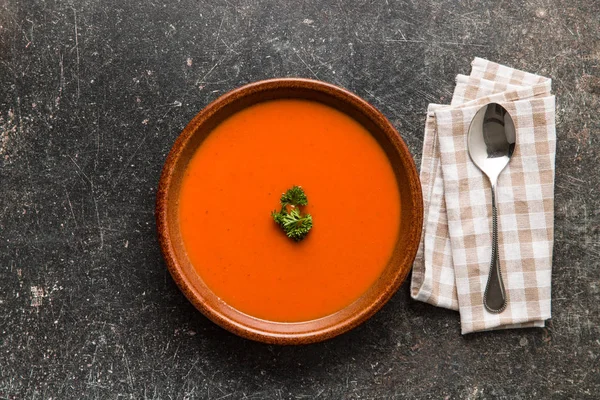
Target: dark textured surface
point(92, 95)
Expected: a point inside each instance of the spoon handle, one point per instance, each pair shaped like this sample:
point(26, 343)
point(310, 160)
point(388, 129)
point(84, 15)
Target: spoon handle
point(494, 298)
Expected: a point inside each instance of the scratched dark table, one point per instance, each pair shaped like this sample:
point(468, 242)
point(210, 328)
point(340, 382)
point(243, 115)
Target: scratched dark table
point(92, 96)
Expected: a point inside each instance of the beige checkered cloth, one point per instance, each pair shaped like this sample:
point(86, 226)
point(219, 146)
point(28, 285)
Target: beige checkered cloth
point(453, 260)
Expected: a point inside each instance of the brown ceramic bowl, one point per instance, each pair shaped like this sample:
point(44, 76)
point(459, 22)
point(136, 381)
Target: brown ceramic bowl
point(298, 332)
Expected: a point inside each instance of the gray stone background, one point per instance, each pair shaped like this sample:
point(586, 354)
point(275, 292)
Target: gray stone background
point(93, 94)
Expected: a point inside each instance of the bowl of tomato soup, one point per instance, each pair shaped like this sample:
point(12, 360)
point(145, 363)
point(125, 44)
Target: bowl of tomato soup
point(223, 181)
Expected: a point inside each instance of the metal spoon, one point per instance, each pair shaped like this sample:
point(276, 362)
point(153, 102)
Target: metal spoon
point(491, 143)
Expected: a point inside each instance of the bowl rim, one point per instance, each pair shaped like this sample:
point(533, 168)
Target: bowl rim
point(274, 335)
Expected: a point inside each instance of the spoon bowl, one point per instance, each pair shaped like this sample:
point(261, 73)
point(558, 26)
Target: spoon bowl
point(491, 143)
point(491, 140)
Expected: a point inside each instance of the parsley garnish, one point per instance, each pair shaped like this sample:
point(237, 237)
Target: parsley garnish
point(291, 220)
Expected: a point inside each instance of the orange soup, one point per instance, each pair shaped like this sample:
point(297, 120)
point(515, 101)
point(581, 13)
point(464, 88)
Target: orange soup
point(235, 180)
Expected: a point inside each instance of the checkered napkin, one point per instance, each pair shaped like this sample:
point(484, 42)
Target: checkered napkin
point(453, 260)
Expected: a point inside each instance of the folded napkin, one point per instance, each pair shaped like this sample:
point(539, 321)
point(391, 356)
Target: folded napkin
point(453, 260)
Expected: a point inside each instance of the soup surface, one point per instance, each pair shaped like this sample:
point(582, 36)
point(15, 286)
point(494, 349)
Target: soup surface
point(235, 180)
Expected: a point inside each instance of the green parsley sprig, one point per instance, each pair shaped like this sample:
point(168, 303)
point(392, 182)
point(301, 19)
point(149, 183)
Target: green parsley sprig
point(290, 219)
